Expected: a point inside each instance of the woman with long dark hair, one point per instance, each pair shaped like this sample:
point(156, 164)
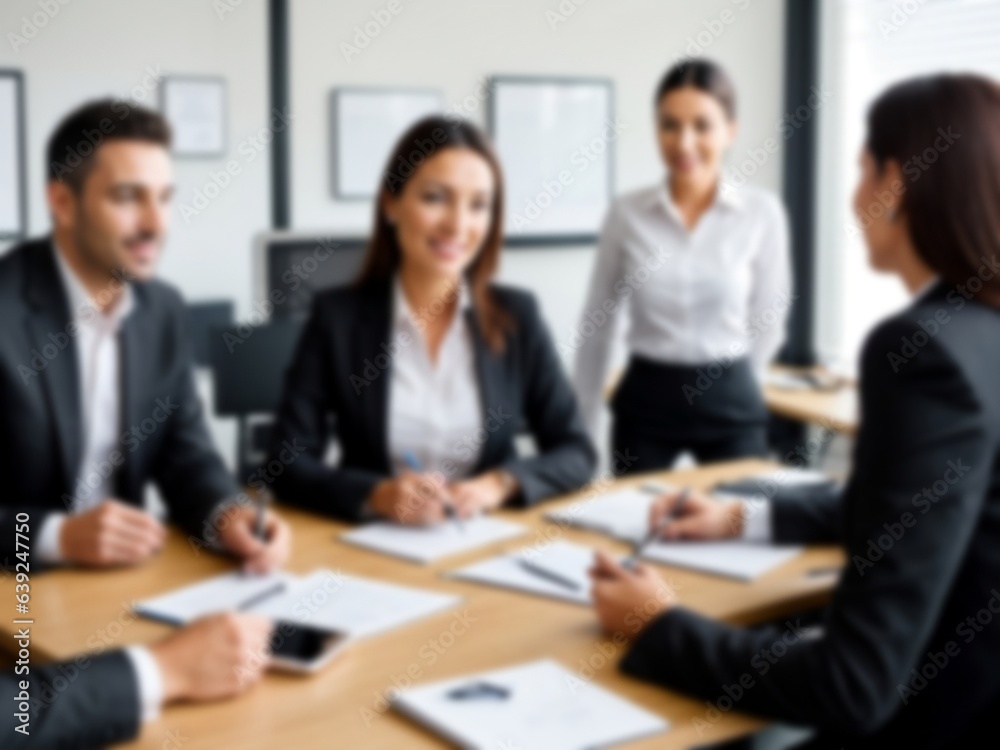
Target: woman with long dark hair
point(910, 642)
point(429, 369)
point(700, 271)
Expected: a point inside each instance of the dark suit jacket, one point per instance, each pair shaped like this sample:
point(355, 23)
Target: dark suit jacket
point(163, 436)
point(98, 707)
point(331, 373)
point(920, 521)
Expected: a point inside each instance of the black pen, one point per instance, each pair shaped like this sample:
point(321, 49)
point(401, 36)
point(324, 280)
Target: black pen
point(260, 596)
point(549, 575)
point(449, 508)
point(654, 533)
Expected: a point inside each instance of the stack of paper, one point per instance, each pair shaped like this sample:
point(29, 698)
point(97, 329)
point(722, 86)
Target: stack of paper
point(325, 599)
point(538, 705)
point(427, 543)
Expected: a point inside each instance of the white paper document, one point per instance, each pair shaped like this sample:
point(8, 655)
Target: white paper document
point(744, 561)
point(428, 543)
point(539, 705)
point(558, 571)
point(623, 514)
point(324, 599)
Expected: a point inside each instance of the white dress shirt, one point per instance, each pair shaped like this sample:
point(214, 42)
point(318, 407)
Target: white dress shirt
point(99, 369)
point(435, 414)
point(718, 292)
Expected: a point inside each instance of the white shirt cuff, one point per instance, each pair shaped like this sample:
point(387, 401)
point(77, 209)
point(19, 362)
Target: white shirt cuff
point(47, 548)
point(757, 521)
point(149, 679)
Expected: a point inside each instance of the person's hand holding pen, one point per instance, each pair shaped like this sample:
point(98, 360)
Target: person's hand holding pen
point(414, 497)
point(258, 536)
point(693, 515)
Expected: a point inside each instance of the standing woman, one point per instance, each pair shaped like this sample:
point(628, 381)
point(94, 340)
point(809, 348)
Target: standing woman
point(429, 369)
point(703, 272)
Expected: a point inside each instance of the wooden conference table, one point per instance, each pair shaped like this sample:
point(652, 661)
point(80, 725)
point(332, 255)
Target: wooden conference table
point(836, 409)
point(343, 705)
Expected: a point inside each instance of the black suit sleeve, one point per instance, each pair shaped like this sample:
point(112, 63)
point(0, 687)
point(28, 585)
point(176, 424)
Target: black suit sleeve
point(188, 470)
point(807, 521)
point(307, 481)
point(566, 457)
point(922, 467)
point(86, 703)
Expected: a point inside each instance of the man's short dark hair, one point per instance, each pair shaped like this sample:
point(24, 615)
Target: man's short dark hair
point(71, 149)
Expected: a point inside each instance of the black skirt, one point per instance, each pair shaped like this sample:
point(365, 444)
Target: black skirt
point(714, 411)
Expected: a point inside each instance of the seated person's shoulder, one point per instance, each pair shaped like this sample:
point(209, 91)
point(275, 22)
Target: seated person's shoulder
point(515, 301)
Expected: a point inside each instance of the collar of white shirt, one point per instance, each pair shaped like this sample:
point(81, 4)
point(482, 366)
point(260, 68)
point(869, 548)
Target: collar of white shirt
point(402, 312)
point(82, 305)
point(725, 196)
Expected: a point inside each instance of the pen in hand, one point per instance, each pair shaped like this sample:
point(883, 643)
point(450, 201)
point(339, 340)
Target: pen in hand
point(449, 508)
point(654, 532)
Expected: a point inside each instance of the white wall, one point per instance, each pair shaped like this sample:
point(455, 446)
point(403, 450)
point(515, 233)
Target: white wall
point(93, 48)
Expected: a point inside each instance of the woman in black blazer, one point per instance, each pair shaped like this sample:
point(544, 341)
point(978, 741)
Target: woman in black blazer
point(429, 369)
point(910, 645)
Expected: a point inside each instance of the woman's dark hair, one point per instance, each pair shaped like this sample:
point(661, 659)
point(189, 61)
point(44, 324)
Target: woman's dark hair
point(423, 140)
point(703, 75)
point(944, 132)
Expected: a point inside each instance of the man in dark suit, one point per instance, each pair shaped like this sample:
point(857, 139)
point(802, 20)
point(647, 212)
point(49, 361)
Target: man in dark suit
point(100, 699)
point(96, 389)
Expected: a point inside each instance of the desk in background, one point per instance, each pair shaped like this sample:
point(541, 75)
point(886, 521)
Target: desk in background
point(78, 610)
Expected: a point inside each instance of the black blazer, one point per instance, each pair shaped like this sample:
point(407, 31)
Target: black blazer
point(330, 373)
point(920, 521)
point(163, 435)
point(98, 706)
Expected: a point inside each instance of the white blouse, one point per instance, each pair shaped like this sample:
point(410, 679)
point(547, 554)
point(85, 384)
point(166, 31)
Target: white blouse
point(435, 413)
point(718, 292)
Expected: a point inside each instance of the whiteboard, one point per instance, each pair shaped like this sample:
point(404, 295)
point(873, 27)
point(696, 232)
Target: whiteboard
point(11, 158)
point(365, 124)
point(555, 139)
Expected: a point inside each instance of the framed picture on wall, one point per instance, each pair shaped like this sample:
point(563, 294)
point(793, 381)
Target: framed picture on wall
point(195, 107)
point(364, 126)
point(13, 194)
point(555, 138)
